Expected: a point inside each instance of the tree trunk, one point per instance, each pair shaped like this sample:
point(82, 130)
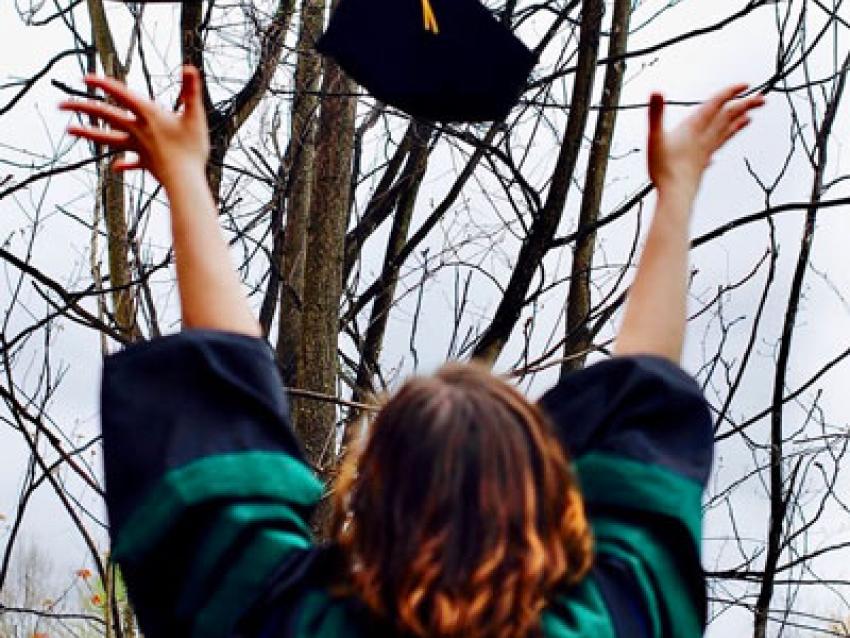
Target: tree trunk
point(543, 228)
point(225, 123)
point(298, 169)
point(380, 205)
point(317, 365)
point(578, 336)
point(112, 193)
point(192, 52)
point(370, 352)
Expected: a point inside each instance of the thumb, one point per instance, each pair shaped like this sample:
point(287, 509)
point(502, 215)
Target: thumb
point(656, 133)
point(656, 118)
point(190, 92)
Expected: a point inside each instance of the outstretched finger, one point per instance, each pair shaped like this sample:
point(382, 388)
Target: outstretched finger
point(111, 115)
point(709, 110)
point(122, 164)
point(734, 127)
point(119, 92)
point(745, 106)
point(114, 139)
point(733, 113)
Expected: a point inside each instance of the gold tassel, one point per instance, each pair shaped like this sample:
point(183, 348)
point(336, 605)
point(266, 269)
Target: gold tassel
point(428, 18)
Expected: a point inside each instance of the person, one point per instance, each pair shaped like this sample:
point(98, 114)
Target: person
point(470, 512)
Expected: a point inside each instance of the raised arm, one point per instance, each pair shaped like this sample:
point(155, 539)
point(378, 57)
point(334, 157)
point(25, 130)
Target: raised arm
point(654, 321)
point(174, 147)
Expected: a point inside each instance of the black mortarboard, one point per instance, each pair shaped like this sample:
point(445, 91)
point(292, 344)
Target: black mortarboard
point(442, 60)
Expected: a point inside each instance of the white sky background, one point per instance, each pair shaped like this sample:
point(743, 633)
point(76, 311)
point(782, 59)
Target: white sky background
point(696, 69)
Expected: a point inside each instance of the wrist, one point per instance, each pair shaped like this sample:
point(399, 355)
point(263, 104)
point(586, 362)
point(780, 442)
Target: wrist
point(189, 195)
point(183, 176)
point(678, 194)
point(673, 212)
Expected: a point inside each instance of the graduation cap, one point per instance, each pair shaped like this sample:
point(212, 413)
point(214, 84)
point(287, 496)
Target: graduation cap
point(441, 60)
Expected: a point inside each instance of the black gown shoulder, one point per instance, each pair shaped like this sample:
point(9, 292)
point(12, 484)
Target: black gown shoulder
point(207, 488)
point(640, 435)
point(209, 497)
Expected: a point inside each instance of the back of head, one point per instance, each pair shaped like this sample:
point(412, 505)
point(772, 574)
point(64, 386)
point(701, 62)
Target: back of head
point(462, 513)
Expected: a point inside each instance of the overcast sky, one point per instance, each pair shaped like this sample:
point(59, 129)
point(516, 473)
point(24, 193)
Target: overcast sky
point(742, 52)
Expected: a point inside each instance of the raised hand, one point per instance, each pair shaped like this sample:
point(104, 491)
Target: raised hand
point(175, 147)
point(167, 144)
point(678, 158)
point(655, 317)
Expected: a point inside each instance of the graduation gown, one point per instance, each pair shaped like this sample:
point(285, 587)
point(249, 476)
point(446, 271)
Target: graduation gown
point(209, 497)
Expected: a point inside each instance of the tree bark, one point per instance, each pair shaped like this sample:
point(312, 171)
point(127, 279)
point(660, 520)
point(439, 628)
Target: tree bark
point(370, 352)
point(578, 335)
point(225, 123)
point(298, 168)
point(543, 228)
point(380, 205)
point(112, 192)
point(317, 364)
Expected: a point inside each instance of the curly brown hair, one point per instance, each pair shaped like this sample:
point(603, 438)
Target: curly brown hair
point(461, 514)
